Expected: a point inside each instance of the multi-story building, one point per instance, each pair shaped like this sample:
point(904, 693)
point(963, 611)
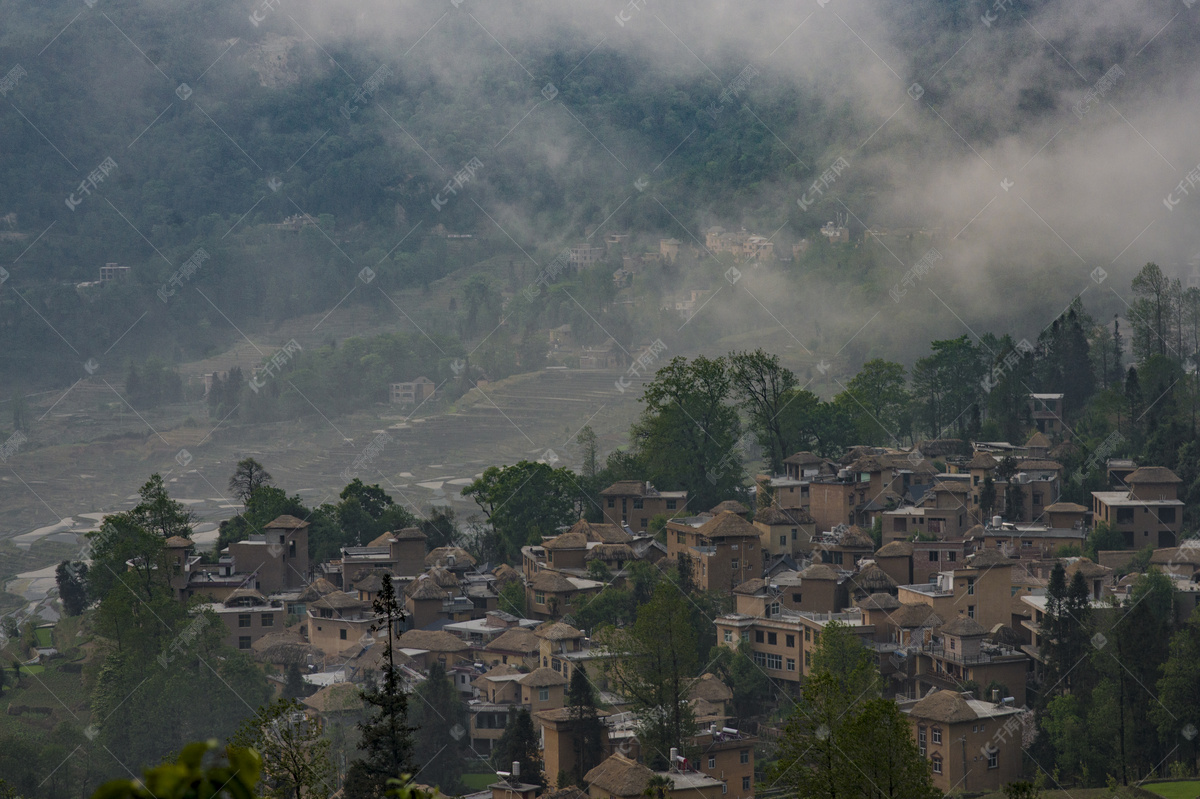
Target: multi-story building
point(785, 532)
point(980, 589)
point(1149, 512)
point(1046, 411)
point(782, 641)
point(972, 746)
point(277, 559)
point(722, 549)
point(635, 503)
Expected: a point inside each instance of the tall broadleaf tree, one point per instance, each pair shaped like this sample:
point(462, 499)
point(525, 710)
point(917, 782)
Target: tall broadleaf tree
point(687, 435)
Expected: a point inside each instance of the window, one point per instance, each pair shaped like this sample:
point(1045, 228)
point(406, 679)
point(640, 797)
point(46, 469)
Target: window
point(772, 639)
point(993, 757)
point(773, 611)
point(760, 659)
point(292, 548)
point(783, 540)
point(734, 564)
point(244, 642)
point(670, 504)
point(1166, 515)
point(951, 640)
point(921, 742)
point(807, 634)
point(796, 598)
point(745, 636)
point(612, 503)
point(724, 788)
point(729, 636)
point(745, 783)
point(791, 641)
point(637, 503)
point(645, 522)
point(543, 694)
point(951, 556)
point(243, 620)
point(539, 597)
point(937, 734)
point(933, 555)
point(837, 558)
point(681, 538)
point(342, 633)
point(774, 662)
point(791, 664)
point(970, 611)
point(793, 533)
point(758, 636)
point(1124, 515)
point(712, 761)
point(937, 764)
point(268, 620)
point(970, 586)
point(807, 658)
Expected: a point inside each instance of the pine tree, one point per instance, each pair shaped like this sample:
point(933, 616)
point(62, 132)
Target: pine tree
point(588, 733)
point(386, 735)
point(520, 744)
point(440, 720)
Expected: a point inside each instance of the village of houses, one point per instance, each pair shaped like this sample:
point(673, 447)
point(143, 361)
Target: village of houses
point(947, 598)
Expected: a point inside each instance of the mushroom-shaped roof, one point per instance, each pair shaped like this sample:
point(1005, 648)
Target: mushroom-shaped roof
point(515, 639)
point(424, 589)
point(408, 534)
point(730, 505)
point(432, 641)
point(895, 549)
point(1038, 441)
point(728, 525)
point(785, 516)
point(505, 573)
point(818, 571)
point(317, 589)
point(286, 522)
point(178, 542)
point(443, 578)
point(874, 580)
point(601, 533)
point(857, 538)
point(804, 459)
point(963, 627)
point(1152, 474)
point(243, 597)
point(915, 615)
point(551, 581)
point(879, 601)
point(751, 587)
point(611, 552)
point(988, 559)
point(285, 648)
point(441, 557)
point(619, 776)
point(1063, 450)
point(982, 460)
point(711, 689)
point(371, 582)
point(948, 707)
point(338, 600)
point(975, 531)
point(567, 540)
point(337, 697)
point(1065, 507)
point(557, 631)
point(542, 678)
